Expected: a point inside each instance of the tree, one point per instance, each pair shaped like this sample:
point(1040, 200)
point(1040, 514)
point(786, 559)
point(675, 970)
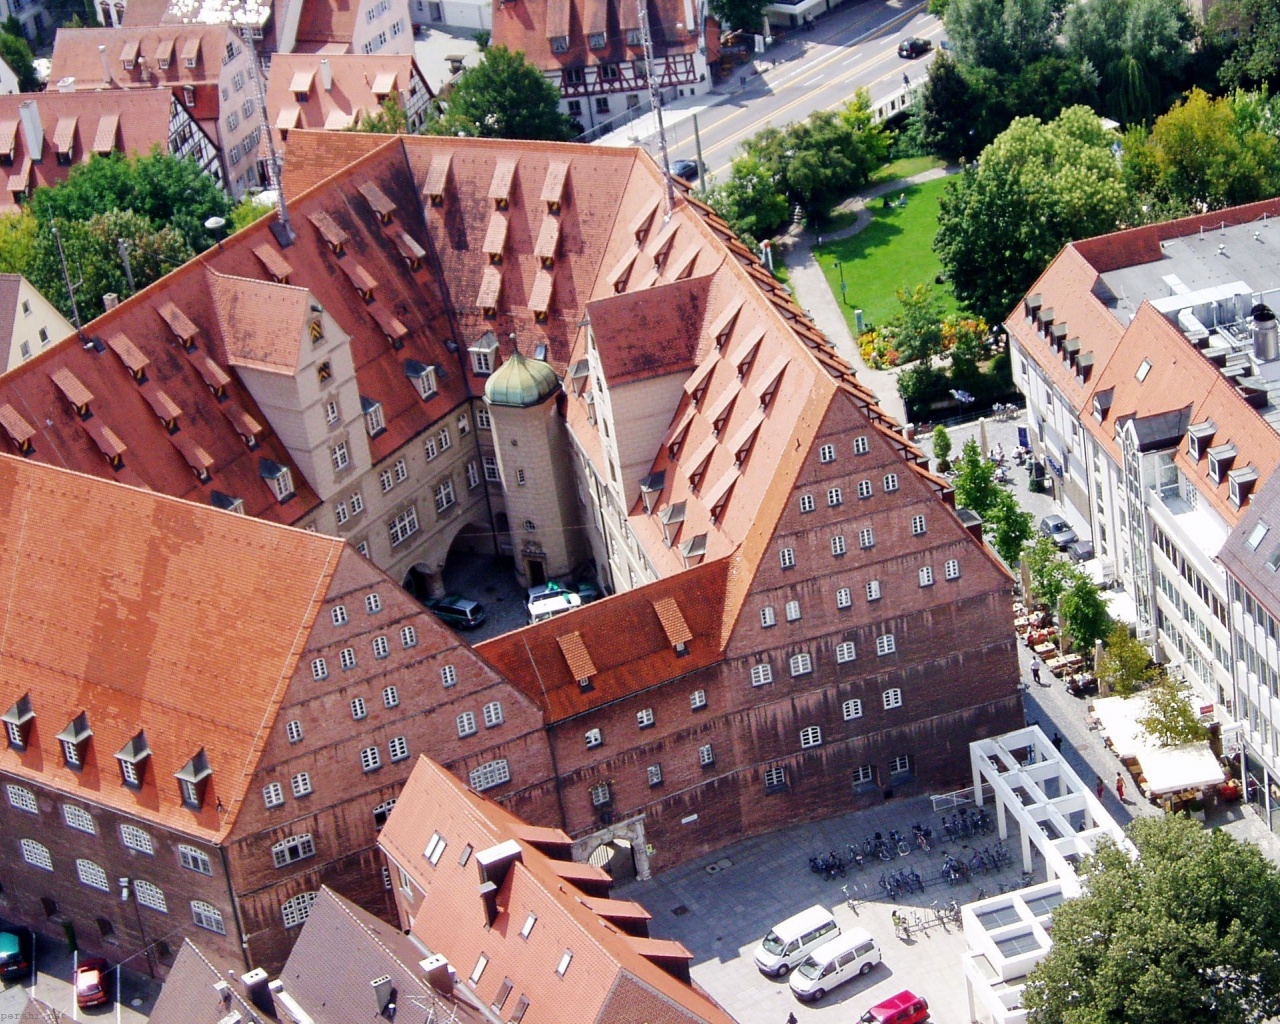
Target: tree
point(248, 210)
point(740, 14)
point(1049, 573)
point(1170, 719)
point(917, 325)
point(18, 233)
point(750, 200)
point(17, 54)
point(164, 190)
point(1048, 86)
point(947, 110)
point(92, 257)
point(1189, 931)
point(1248, 34)
point(1083, 611)
point(1125, 665)
point(504, 97)
point(1011, 527)
point(994, 34)
point(942, 447)
point(976, 487)
point(1036, 187)
point(389, 119)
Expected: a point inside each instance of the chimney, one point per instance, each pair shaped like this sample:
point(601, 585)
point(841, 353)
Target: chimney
point(29, 114)
point(326, 74)
point(223, 991)
point(496, 861)
point(384, 996)
point(106, 65)
point(438, 973)
point(489, 896)
point(1266, 336)
point(67, 84)
point(257, 992)
point(110, 300)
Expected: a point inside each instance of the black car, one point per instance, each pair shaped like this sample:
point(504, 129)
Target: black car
point(914, 48)
point(459, 612)
point(686, 169)
point(15, 957)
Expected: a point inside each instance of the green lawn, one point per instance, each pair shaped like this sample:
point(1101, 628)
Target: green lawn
point(906, 168)
point(893, 251)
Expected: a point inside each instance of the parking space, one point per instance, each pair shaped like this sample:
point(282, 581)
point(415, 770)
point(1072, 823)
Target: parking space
point(722, 905)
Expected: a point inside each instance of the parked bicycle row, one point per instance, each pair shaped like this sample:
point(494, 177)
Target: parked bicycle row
point(885, 847)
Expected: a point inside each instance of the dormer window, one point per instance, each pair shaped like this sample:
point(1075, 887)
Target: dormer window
point(1102, 404)
point(193, 780)
point(598, 40)
point(133, 761)
point(483, 354)
point(651, 490)
point(1199, 435)
point(1220, 459)
point(18, 721)
point(633, 37)
point(189, 95)
point(422, 376)
point(227, 503)
point(373, 419)
point(560, 44)
point(75, 741)
point(1241, 483)
point(278, 478)
point(671, 518)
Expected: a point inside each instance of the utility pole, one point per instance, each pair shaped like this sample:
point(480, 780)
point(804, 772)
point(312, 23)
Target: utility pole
point(122, 247)
point(655, 98)
point(71, 289)
point(697, 144)
point(282, 228)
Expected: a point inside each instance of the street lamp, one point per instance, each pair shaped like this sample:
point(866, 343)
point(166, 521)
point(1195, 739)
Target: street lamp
point(843, 287)
point(127, 890)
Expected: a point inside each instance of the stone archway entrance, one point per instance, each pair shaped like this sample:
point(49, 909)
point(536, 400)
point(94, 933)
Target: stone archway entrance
point(619, 848)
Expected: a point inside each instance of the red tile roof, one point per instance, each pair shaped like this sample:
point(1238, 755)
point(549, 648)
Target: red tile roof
point(648, 333)
point(607, 978)
point(75, 55)
point(132, 610)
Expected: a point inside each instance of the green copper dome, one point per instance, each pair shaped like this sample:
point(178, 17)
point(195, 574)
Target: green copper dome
point(520, 382)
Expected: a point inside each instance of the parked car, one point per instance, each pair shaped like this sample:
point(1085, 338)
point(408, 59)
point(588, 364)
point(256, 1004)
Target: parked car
point(904, 1008)
point(686, 169)
point(543, 589)
point(459, 612)
point(91, 982)
point(1081, 550)
point(589, 592)
point(912, 48)
point(15, 957)
point(1059, 531)
point(550, 605)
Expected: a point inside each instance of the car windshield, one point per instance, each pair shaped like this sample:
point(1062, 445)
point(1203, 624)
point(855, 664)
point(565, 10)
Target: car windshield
point(773, 944)
point(810, 969)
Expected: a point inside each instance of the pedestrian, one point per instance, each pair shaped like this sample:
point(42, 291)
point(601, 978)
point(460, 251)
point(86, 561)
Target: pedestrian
point(1035, 672)
point(1120, 786)
point(1057, 740)
point(819, 240)
point(1101, 787)
point(905, 79)
point(791, 1019)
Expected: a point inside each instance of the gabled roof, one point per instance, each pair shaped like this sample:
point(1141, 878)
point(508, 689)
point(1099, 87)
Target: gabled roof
point(10, 285)
point(143, 611)
point(76, 56)
point(188, 995)
point(607, 976)
point(646, 334)
point(262, 322)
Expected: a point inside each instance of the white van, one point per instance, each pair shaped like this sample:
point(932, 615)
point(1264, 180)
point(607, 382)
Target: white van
point(788, 943)
point(833, 963)
point(549, 605)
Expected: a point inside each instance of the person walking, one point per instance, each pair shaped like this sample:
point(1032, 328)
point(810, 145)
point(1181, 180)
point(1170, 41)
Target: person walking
point(1101, 787)
point(1057, 740)
point(1035, 672)
point(1120, 786)
point(791, 1019)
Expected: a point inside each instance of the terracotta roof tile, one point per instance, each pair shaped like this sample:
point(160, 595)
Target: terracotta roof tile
point(75, 55)
point(650, 333)
point(576, 655)
point(673, 623)
point(106, 133)
point(262, 322)
point(135, 361)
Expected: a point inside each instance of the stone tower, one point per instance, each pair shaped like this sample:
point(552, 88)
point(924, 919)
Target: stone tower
point(536, 464)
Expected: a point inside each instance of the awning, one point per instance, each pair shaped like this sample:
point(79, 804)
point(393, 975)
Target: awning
point(1166, 769)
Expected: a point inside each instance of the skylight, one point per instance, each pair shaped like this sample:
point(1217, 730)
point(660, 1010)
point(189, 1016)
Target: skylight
point(1143, 369)
point(1256, 535)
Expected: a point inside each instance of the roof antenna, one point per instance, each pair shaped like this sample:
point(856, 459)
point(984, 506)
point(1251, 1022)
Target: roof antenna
point(282, 228)
point(655, 99)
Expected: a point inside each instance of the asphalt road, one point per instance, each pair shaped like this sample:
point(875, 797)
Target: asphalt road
point(855, 46)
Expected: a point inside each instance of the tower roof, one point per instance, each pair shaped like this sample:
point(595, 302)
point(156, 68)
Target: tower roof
point(521, 382)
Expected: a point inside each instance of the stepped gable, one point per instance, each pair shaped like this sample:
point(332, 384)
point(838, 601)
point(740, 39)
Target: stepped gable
point(134, 614)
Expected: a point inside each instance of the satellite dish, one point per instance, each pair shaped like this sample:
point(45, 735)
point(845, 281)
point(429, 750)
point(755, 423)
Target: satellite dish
point(215, 224)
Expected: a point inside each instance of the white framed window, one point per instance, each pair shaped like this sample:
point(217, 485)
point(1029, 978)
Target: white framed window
point(374, 422)
point(466, 723)
point(79, 819)
point(594, 739)
point(434, 849)
point(205, 915)
point(482, 417)
point(860, 445)
point(357, 503)
point(403, 526)
point(697, 699)
point(851, 709)
point(134, 838)
point(429, 447)
point(390, 697)
point(382, 812)
point(900, 765)
point(705, 755)
point(386, 481)
point(359, 710)
point(347, 657)
point(917, 526)
point(319, 669)
point(891, 698)
point(340, 512)
point(600, 794)
point(863, 775)
point(341, 456)
point(448, 675)
point(381, 649)
point(293, 731)
point(92, 875)
point(787, 557)
point(370, 759)
point(866, 539)
point(492, 714)
point(810, 736)
point(864, 488)
point(473, 474)
point(807, 504)
point(775, 778)
point(792, 610)
point(338, 613)
point(150, 896)
point(835, 496)
point(873, 590)
point(295, 911)
point(827, 453)
point(844, 597)
point(654, 772)
point(951, 569)
point(464, 425)
point(408, 637)
point(491, 474)
point(445, 440)
point(36, 854)
point(767, 616)
point(926, 576)
point(363, 548)
point(761, 673)
point(372, 604)
point(401, 470)
point(273, 794)
point(386, 878)
point(645, 718)
point(331, 413)
point(22, 798)
point(837, 545)
point(194, 859)
point(885, 644)
point(890, 482)
point(801, 664)
point(398, 748)
point(444, 495)
point(490, 774)
point(293, 849)
point(300, 784)
point(845, 651)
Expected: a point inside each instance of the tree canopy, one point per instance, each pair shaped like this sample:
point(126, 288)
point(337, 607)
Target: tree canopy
point(1011, 527)
point(1188, 932)
point(504, 97)
point(1084, 613)
point(742, 14)
point(998, 34)
point(975, 484)
point(17, 54)
point(1125, 665)
point(751, 200)
point(1247, 32)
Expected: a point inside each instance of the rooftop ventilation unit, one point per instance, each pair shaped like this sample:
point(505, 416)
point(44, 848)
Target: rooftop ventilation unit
point(1266, 334)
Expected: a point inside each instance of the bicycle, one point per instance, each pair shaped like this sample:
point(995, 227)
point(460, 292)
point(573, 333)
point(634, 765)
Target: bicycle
point(849, 900)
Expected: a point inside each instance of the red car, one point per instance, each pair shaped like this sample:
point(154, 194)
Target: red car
point(91, 982)
point(904, 1008)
